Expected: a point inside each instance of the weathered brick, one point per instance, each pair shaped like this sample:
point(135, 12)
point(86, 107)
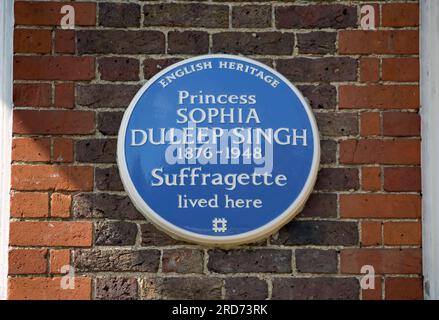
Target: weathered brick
point(316, 16)
point(321, 205)
point(32, 95)
point(323, 96)
point(401, 124)
point(402, 179)
point(48, 177)
point(108, 179)
point(253, 43)
point(192, 288)
point(153, 237)
point(182, 261)
point(119, 68)
point(29, 204)
point(153, 66)
point(250, 16)
point(315, 288)
point(404, 289)
point(262, 260)
point(316, 42)
point(106, 95)
point(60, 205)
point(54, 68)
point(103, 205)
point(116, 288)
point(27, 261)
point(115, 260)
point(31, 149)
point(109, 122)
point(119, 233)
point(186, 15)
point(32, 41)
point(119, 15)
point(53, 122)
point(120, 41)
point(318, 233)
point(328, 151)
point(400, 69)
point(54, 233)
point(318, 69)
point(62, 150)
point(402, 233)
point(246, 288)
point(96, 150)
point(400, 15)
point(316, 261)
point(337, 179)
point(380, 206)
point(383, 260)
point(59, 259)
point(188, 42)
point(43, 288)
point(337, 124)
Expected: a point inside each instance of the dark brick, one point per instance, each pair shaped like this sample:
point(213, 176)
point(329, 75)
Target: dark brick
point(186, 15)
point(116, 289)
point(253, 42)
point(246, 289)
point(182, 261)
point(103, 205)
point(316, 16)
point(316, 288)
point(320, 97)
point(96, 150)
point(318, 233)
point(108, 179)
point(106, 95)
point(337, 124)
point(328, 151)
point(316, 261)
point(120, 41)
point(119, 233)
point(119, 15)
point(153, 66)
point(321, 205)
point(114, 260)
point(153, 237)
point(337, 179)
point(189, 42)
point(250, 16)
point(192, 288)
point(109, 122)
point(119, 68)
point(260, 260)
point(318, 69)
point(316, 42)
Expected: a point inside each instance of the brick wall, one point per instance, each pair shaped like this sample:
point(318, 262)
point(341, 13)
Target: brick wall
point(72, 86)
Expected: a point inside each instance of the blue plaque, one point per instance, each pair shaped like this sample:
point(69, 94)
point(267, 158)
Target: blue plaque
point(218, 150)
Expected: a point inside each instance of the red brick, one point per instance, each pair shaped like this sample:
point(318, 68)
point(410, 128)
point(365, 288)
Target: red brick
point(401, 124)
point(61, 205)
point(55, 233)
point(371, 178)
point(374, 151)
point(373, 294)
point(53, 122)
point(379, 96)
point(49, 13)
point(400, 15)
point(406, 261)
point(65, 95)
point(379, 42)
point(31, 149)
point(402, 233)
point(59, 259)
point(370, 124)
point(54, 68)
point(32, 95)
point(32, 41)
point(371, 233)
point(27, 261)
point(403, 289)
point(40, 288)
point(65, 41)
point(29, 204)
point(62, 150)
point(400, 69)
point(380, 206)
point(402, 179)
point(49, 177)
point(369, 70)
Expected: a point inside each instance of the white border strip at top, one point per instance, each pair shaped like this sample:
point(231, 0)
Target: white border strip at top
point(6, 40)
point(430, 145)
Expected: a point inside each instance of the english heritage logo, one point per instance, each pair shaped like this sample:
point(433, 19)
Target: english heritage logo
point(219, 150)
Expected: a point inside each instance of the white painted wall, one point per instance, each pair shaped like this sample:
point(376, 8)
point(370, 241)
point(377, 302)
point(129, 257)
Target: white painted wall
point(430, 144)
